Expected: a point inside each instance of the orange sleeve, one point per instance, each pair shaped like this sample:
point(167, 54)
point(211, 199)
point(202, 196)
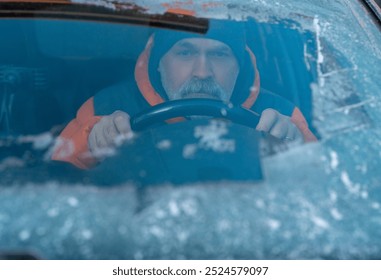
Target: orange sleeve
point(72, 144)
point(298, 119)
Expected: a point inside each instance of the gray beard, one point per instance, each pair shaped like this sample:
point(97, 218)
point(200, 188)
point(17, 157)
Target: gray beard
point(201, 88)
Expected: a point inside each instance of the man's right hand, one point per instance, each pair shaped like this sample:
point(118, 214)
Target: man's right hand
point(109, 132)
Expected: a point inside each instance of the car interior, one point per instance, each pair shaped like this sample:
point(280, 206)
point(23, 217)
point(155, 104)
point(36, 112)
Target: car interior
point(49, 68)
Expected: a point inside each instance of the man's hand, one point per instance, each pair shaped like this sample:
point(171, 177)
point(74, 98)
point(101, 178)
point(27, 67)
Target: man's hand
point(108, 132)
point(278, 125)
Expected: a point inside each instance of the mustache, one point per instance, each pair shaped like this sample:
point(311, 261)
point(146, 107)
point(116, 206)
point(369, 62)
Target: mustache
point(206, 86)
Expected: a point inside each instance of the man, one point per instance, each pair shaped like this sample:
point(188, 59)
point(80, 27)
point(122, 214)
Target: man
point(176, 65)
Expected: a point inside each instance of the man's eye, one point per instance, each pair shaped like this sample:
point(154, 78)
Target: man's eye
point(220, 54)
point(184, 53)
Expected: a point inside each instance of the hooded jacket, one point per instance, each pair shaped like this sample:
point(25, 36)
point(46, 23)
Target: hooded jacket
point(146, 90)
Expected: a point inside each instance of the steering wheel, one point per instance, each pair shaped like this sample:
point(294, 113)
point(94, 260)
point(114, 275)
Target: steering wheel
point(193, 107)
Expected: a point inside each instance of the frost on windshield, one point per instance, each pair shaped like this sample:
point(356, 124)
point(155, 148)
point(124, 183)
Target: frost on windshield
point(210, 137)
point(338, 106)
point(316, 201)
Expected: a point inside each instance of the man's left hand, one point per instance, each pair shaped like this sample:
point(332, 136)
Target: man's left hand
point(278, 125)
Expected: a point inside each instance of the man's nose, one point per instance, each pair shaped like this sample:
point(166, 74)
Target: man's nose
point(202, 67)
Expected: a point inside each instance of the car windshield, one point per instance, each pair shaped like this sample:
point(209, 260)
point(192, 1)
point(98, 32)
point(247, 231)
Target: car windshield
point(199, 159)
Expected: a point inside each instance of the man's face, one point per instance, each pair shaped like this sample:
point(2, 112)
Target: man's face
point(199, 68)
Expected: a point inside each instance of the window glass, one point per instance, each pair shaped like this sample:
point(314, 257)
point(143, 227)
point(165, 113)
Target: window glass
point(203, 187)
